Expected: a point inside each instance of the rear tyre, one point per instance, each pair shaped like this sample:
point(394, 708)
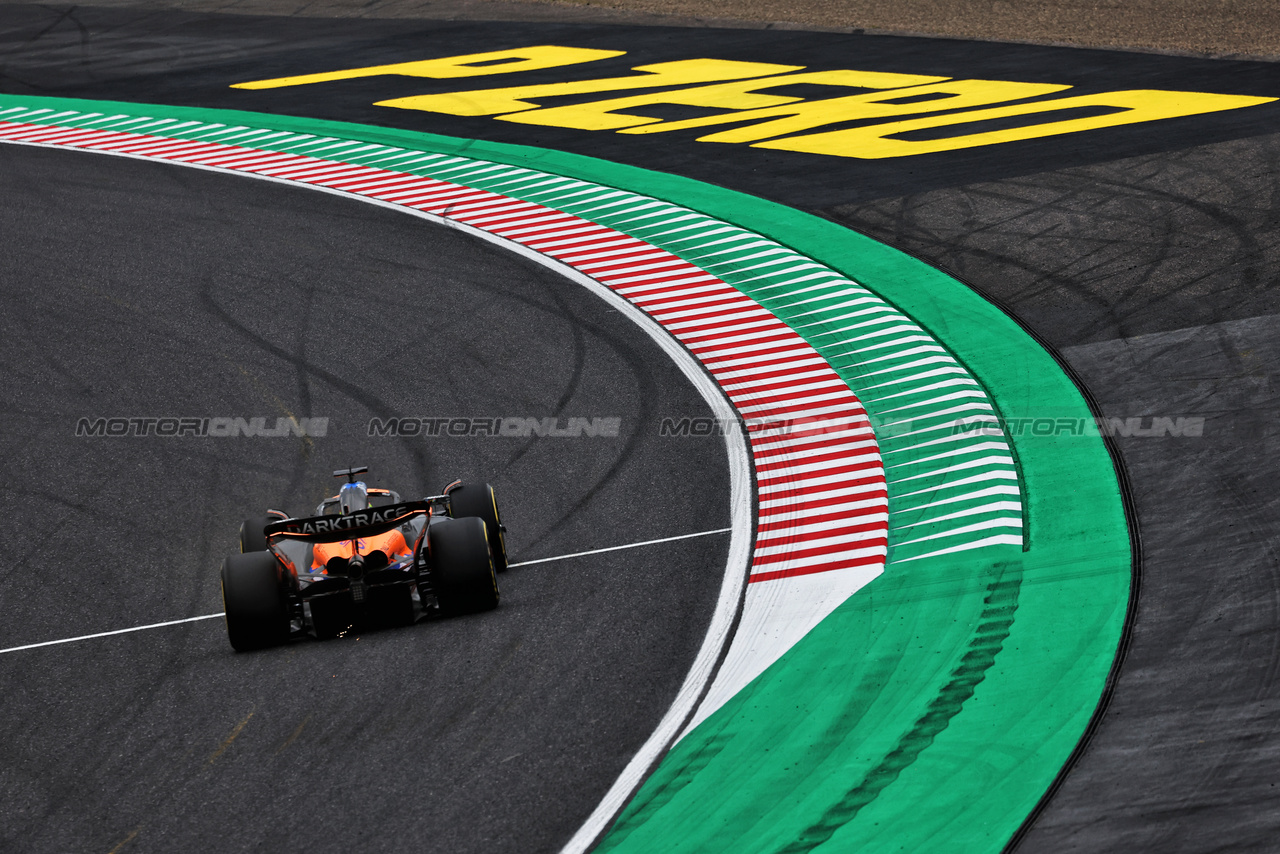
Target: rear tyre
point(477, 499)
point(256, 606)
point(251, 537)
point(462, 574)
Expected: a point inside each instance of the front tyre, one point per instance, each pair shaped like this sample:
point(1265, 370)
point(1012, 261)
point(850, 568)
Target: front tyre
point(477, 499)
point(462, 576)
point(251, 537)
point(257, 609)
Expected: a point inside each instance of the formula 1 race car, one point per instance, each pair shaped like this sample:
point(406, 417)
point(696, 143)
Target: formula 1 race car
point(365, 559)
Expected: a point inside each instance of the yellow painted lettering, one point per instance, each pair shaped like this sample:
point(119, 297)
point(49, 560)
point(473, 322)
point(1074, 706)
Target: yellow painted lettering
point(489, 102)
point(739, 95)
point(467, 65)
point(806, 115)
point(1129, 107)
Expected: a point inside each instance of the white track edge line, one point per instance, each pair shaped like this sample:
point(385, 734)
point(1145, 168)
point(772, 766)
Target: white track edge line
point(114, 632)
point(619, 548)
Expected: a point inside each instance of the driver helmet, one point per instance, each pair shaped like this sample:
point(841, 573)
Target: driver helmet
point(353, 497)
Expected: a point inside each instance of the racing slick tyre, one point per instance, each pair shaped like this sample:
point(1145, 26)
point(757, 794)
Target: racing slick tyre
point(462, 567)
point(251, 537)
point(256, 607)
point(477, 499)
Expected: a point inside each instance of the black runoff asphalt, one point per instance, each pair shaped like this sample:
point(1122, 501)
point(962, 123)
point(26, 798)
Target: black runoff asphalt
point(1145, 255)
point(138, 289)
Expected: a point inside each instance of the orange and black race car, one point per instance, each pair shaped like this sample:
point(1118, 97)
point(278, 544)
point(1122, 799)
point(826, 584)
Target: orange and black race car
point(365, 559)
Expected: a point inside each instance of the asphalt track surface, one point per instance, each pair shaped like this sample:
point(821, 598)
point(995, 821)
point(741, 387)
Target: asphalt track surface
point(186, 293)
point(1146, 259)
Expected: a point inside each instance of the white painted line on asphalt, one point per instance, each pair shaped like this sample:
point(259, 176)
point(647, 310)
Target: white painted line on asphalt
point(219, 614)
point(617, 548)
point(116, 632)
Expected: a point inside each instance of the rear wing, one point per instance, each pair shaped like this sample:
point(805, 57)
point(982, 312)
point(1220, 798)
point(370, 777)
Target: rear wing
point(350, 526)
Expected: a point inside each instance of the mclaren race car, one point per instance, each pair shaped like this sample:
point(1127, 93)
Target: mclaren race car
point(365, 559)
